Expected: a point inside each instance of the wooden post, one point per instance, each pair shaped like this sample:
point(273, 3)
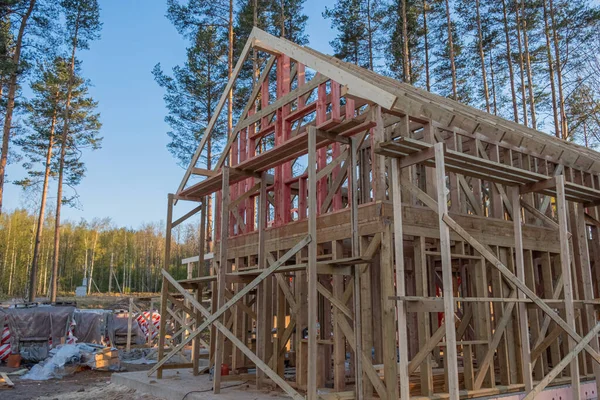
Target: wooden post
point(262, 324)
point(400, 282)
point(520, 270)
point(162, 330)
point(129, 324)
point(451, 356)
point(220, 342)
point(580, 235)
point(312, 266)
point(165, 285)
point(423, 320)
point(339, 343)
point(358, 348)
point(196, 340)
point(565, 262)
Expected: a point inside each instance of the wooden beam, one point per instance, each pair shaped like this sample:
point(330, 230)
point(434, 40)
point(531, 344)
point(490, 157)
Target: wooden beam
point(565, 263)
point(311, 271)
point(186, 216)
point(451, 357)
point(330, 67)
point(400, 281)
point(216, 114)
point(520, 270)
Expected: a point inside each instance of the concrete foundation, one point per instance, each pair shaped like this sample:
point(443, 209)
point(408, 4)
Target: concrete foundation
point(178, 384)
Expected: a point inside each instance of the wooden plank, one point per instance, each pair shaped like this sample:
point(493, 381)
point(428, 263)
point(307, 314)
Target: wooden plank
point(565, 263)
point(311, 271)
point(400, 281)
point(451, 357)
point(215, 115)
point(520, 270)
point(186, 216)
point(223, 263)
point(423, 325)
point(7, 380)
point(366, 361)
point(355, 85)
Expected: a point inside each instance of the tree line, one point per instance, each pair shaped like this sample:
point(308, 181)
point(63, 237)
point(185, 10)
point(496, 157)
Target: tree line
point(49, 129)
point(112, 259)
point(531, 61)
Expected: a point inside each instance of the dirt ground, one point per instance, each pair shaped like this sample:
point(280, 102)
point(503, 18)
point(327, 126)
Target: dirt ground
point(83, 385)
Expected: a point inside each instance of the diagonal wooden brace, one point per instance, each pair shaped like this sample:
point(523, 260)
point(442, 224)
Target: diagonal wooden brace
point(517, 282)
point(212, 318)
point(563, 363)
point(236, 342)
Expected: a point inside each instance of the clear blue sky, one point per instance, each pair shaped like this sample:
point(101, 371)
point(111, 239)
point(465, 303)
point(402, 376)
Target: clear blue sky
point(129, 178)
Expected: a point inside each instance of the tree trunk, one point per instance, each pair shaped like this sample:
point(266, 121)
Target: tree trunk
point(369, 35)
point(451, 49)
point(405, 57)
point(521, 64)
point(89, 290)
point(110, 273)
point(528, 64)
point(61, 168)
point(557, 128)
point(12, 92)
point(494, 102)
point(41, 215)
point(426, 37)
point(230, 72)
point(510, 64)
point(482, 59)
point(561, 98)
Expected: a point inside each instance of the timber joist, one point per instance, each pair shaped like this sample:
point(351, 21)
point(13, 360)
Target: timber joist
point(480, 168)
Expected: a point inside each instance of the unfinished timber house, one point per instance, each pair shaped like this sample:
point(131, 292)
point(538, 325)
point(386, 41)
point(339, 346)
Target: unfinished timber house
point(373, 239)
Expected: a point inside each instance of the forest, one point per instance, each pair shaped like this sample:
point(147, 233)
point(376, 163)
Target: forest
point(531, 61)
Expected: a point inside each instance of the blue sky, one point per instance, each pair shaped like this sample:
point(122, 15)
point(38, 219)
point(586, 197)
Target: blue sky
point(129, 178)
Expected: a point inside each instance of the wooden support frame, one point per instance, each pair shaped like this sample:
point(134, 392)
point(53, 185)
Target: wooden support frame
point(490, 221)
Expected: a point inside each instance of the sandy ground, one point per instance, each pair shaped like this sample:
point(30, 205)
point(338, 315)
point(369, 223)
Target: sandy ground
point(83, 385)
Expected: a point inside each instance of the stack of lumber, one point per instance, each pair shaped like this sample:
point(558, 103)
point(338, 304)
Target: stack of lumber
point(105, 359)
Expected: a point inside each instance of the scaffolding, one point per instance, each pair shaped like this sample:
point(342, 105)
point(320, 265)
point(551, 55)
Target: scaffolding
point(379, 240)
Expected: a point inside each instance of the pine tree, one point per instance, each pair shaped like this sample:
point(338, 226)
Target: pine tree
point(22, 10)
point(358, 23)
point(450, 64)
point(44, 112)
point(406, 59)
point(82, 26)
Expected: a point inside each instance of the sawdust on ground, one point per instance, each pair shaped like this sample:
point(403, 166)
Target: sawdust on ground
point(101, 392)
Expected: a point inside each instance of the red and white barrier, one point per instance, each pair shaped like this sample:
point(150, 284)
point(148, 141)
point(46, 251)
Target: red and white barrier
point(4, 351)
point(143, 322)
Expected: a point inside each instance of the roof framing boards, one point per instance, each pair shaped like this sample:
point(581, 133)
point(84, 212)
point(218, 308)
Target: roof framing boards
point(391, 95)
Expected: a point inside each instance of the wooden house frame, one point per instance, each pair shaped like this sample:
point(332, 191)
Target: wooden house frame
point(356, 213)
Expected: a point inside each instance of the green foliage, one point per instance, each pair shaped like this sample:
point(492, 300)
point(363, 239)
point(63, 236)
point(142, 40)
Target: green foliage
point(192, 92)
point(138, 254)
